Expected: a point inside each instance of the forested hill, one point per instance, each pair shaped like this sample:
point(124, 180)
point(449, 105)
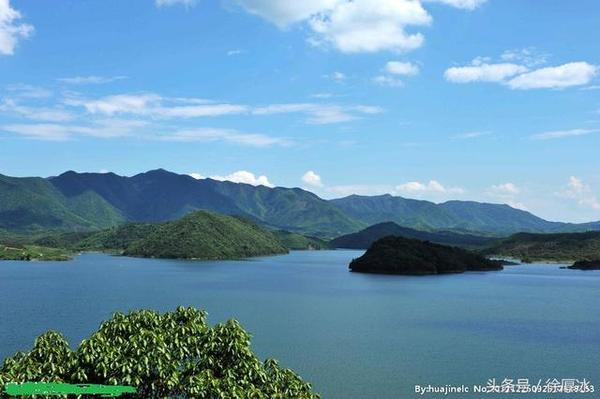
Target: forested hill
point(364, 238)
point(554, 247)
point(89, 201)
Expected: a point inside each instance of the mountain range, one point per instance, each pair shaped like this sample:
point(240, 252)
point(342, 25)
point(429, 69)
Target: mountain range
point(89, 201)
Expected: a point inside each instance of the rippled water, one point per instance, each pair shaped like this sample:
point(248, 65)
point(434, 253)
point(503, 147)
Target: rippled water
point(352, 335)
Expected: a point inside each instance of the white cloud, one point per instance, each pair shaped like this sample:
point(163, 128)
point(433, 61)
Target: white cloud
point(505, 189)
point(197, 176)
point(225, 135)
point(518, 74)
point(119, 128)
point(11, 29)
point(559, 134)
point(390, 81)
point(167, 3)
point(402, 68)
point(319, 114)
point(28, 91)
point(233, 52)
point(58, 132)
point(338, 76)
point(312, 179)
point(354, 26)
point(432, 187)
point(154, 105)
point(566, 75)
point(483, 72)
point(90, 80)
point(366, 26)
point(472, 135)
point(35, 113)
point(581, 192)
point(414, 189)
point(243, 176)
point(529, 56)
point(463, 4)
point(284, 13)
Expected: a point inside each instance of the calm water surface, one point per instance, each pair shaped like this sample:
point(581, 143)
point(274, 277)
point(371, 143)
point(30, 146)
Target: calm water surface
point(351, 335)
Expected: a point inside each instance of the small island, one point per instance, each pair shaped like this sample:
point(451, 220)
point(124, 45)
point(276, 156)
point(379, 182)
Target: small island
point(586, 265)
point(398, 255)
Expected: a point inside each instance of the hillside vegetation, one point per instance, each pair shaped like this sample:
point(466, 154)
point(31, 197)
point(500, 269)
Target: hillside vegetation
point(170, 355)
point(206, 235)
point(93, 201)
point(33, 252)
point(32, 204)
point(398, 255)
point(364, 238)
point(552, 247)
point(295, 241)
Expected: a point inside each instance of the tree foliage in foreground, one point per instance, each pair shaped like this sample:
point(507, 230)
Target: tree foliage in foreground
point(175, 354)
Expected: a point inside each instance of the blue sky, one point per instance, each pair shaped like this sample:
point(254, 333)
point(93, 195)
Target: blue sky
point(495, 101)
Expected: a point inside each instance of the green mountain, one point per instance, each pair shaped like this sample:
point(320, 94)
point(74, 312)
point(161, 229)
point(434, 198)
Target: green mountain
point(206, 235)
point(364, 238)
point(461, 216)
point(160, 195)
point(398, 255)
point(32, 203)
point(552, 247)
point(90, 201)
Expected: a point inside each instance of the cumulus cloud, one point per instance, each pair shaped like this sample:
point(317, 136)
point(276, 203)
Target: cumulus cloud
point(566, 75)
point(482, 72)
point(393, 69)
point(11, 29)
point(312, 179)
point(366, 26)
point(354, 26)
point(520, 76)
point(196, 175)
point(463, 4)
point(401, 68)
point(415, 189)
point(506, 193)
point(243, 176)
point(560, 134)
point(506, 188)
point(529, 56)
point(432, 187)
point(580, 192)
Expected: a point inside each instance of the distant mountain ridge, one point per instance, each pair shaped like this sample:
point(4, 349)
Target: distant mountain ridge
point(365, 238)
point(90, 201)
point(463, 216)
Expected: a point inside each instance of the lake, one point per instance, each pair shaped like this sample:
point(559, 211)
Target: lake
point(351, 335)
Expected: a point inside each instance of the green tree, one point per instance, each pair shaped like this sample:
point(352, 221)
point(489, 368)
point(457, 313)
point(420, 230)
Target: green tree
point(175, 354)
